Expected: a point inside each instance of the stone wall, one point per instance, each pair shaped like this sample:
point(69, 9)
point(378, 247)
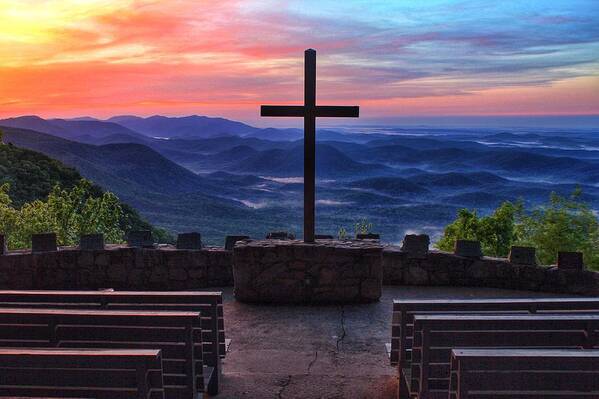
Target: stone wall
point(437, 268)
point(117, 267)
point(166, 268)
point(280, 271)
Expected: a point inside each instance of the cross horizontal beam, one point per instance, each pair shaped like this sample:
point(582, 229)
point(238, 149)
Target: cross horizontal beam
point(323, 111)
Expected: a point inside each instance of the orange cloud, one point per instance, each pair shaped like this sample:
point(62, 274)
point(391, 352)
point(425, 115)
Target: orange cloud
point(226, 57)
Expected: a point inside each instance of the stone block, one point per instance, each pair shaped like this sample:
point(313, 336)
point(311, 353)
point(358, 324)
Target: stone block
point(45, 242)
point(191, 241)
point(570, 261)
point(231, 240)
point(3, 244)
point(91, 242)
point(140, 239)
point(416, 245)
point(468, 248)
point(280, 235)
point(323, 237)
point(523, 255)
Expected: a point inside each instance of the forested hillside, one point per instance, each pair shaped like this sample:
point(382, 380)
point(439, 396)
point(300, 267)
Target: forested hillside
point(32, 176)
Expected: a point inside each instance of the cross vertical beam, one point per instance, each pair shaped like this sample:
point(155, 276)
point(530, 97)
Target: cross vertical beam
point(309, 144)
point(310, 111)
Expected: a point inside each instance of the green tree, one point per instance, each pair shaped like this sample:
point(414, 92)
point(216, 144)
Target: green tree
point(68, 213)
point(563, 224)
point(495, 232)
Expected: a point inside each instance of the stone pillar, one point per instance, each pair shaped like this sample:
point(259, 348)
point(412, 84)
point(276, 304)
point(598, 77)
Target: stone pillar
point(45, 242)
point(91, 242)
point(3, 244)
point(570, 261)
point(140, 238)
point(231, 240)
point(416, 245)
point(523, 255)
point(191, 241)
point(468, 248)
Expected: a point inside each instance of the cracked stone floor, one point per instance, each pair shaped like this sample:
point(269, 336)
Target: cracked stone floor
point(319, 351)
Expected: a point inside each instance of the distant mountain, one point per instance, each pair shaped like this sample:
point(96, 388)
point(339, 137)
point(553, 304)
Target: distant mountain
point(183, 127)
point(277, 134)
point(522, 162)
point(477, 199)
point(88, 131)
point(457, 179)
point(123, 168)
point(330, 162)
point(395, 186)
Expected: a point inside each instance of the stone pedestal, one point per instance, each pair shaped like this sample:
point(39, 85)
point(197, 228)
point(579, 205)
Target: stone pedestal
point(523, 255)
point(45, 242)
point(327, 271)
point(468, 248)
point(91, 242)
point(140, 239)
point(416, 245)
point(570, 261)
point(192, 241)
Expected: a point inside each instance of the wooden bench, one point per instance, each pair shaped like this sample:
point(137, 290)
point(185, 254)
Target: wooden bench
point(100, 374)
point(524, 374)
point(405, 309)
point(436, 335)
point(171, 332)
point(209, 304)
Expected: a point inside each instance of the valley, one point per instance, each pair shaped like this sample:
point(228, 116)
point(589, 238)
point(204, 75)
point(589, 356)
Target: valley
point(224, 177)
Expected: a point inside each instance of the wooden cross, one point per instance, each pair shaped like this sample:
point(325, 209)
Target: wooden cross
point(309, 111)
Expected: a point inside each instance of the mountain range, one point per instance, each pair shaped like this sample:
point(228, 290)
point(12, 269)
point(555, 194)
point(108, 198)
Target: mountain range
point(220, 177)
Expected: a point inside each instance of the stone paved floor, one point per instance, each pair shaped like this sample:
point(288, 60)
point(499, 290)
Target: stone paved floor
point(319, 352)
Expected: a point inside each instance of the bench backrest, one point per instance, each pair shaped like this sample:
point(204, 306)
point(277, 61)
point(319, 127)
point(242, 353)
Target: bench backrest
point(171, 332)
point(404, 311)
point(209, 304)
point(436, 335)
point(530, 373)
point(100, 374)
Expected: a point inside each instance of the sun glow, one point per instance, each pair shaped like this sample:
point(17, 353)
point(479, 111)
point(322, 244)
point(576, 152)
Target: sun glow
point(101, 57)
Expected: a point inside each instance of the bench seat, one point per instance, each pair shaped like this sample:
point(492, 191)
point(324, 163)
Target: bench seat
point(405, 309)
point(81, 373)
point(436, 335)
point(171, 332)
point(209, 304)
point(524, 374)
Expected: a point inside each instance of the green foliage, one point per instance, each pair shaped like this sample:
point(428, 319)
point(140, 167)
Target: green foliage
point(33, 176)
point(495, 232)
point(363, 226)
point(69, 213)
point(563, 224)
point(342, 233)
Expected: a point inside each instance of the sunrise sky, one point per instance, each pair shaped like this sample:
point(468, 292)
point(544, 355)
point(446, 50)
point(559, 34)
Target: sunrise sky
point(225, 57)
